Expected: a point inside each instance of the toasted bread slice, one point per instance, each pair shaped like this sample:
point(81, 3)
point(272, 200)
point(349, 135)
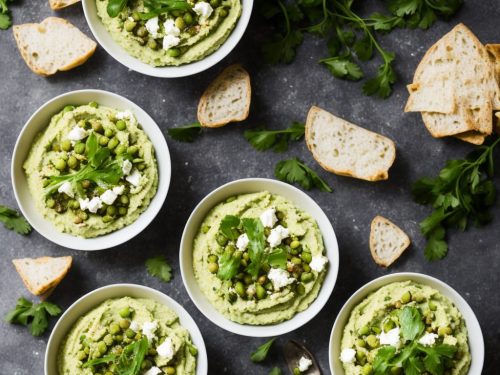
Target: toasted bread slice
point(59, 4)
point(387, 241)
point(494, 54)
point(227, 99)
point(43, 274)
point(52, 45)
point(347, 149)
point(473, 137)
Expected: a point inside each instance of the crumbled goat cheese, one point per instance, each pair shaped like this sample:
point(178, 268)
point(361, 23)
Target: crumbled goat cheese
point(118, 190)
point(149, 329)
point(170, 41)
point(77, 134)
point(203, 9)
point(166, 349)
point(277, 235)
point(152, 26)
point(170, 28)
point(134, 178)
point(390, 338)
point(242, 242)
point(268, 218)
point(347, 355)
point(280, 278)
point(304, 364)
point(153, 371)
point(67, 189)
point(318, 263)
point(109, 197)
point(126, 167)
point(428, 339)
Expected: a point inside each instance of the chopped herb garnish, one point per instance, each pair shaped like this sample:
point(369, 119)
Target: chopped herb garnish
point(13, 220)
point(278, 140)
point(36, 316)
point(187, 133)
point(294, 171)
point(158, 267)
point(261, 353)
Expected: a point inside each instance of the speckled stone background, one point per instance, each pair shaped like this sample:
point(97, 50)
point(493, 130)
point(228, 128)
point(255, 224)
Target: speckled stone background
point(281, 94)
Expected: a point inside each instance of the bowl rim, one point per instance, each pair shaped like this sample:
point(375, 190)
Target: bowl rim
point(472, 323)
point(182, 313)
point(136, 227)
point(184, 70)
point(300, 318)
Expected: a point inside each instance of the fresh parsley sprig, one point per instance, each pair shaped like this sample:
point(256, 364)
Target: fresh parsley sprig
point(5, 14)
point(261, 353)
point(462, 192)
point(294, 171)
point(187, 133)
point(13, 220)
point(278, 140)
point(159, 268)
point(36, 316)
point(350, 38)
point(155, 7)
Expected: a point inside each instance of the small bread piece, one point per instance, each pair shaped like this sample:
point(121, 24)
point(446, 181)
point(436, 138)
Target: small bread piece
point(227, 99)
point(59, 4)
point(347, 149)
point(473, 137)
point(437, 96)
point(53, 45)
point(494, 53)
point(387, 241)
point(43, 274)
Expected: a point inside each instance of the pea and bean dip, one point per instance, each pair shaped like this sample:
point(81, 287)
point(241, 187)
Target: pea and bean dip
point(169, 32)
point(405, 328)
point(92, 170)
point(128, 336)
point(259, 259)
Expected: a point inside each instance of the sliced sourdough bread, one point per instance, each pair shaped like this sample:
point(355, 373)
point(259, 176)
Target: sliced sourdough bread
point(437, 96)
point(43, 274)
point(473, 137)
point(347, 149)
point(52, 45)
point(59, 4)
point(387, 241)
point(227, 99)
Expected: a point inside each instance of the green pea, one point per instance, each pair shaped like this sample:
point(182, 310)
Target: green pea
point(142, 32)
point(97, 127)
point(60, 164)
point(239, 288)
point(406, 297)
point(125, 312)
point(221, 239)
point(50, 203)
point(129, 333)
point(213, 267)
point(419, 298)
point(188, 18)
point(72, 162)
point(361, 357)
point(93, 104)
point(192, 349)
point(83, 215)
point(260, 292)
point(113, 142)
point(296, 260)
point(81, 355)
point(306, 267)
point(170, 370)
point(124, 199)
point(367, 369)
point(79, 148)
point(73, 203)
point(108, 339)
point(372, 341)
point(443, 331)
point(306, 256)
point(111, 210)
point(129, 25)
point(146, 364)
point(107, 219)
point(396, 370)
point(103, 141)
point(262, 279)
point(102, 347)
point(136, 16)
point(173, 52)
point(361, 343)
point(296, 371)
point(66, 145)
point(86, 184)
point(152, 44)
point(132, 150)
point(301, 289)
point(109, 132)
point(120, 149)
point(205, 228)
point(214, 3)
point(68, 108)
point(388, 325)
point(212, 258)
point(376, 330)
point(306, 277)
point(114, 328)
point(247, 279)
point(180, 23)
point(121, 125)
point(223, 13)
point(141, 166)
point(364, 330)
point(294, 244)
point(432, 305)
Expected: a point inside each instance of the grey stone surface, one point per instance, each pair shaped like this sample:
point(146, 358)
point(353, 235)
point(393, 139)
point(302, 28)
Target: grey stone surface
point(281, 94)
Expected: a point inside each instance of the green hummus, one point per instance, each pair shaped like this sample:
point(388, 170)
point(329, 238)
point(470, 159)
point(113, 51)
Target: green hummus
point(291, 268)
point(402, 318)
point(171, 38)
point(92, 170)
point(99, 340)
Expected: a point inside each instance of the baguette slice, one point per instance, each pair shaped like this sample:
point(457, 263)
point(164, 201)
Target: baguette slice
point(437, 96)
point(387, 241)
point(59, 4)
point(227, 99)
point(473, 137)
point(43, 274)
point(347, 149)
point(53, 45)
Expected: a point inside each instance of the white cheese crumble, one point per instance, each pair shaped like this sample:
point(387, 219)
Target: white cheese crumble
point(318, 263)
point(450, 340)
point(126, 167)
point(347, 355)
point(83, 203)
point(277, 235)
point(170, 28)
point(94, 204)
point(134, 178)
point(152, 26)
point(428, 339)
point(170, 41)
point(118, 190)
point(67, 189)
point(123, 115)
point(242, 242)
point(135, 326)
point(153, 371)
point(109, 197)
point(280, 278)
point(203, 9)
point(390, 338)
point(166, 349)
point(77, 134)
point(304, 364)
point(268, 218)
point(149, 329)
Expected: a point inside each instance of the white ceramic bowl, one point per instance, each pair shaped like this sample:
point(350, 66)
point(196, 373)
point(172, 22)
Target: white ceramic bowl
point(118, 53)
point(91, 300)
point(476, 342)
point(299, 199)
point(39, 121)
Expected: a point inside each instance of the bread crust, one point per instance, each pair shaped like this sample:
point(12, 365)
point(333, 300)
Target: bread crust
point(396, 255)
point(381, 175)
point(60, 4)
point(212, 86)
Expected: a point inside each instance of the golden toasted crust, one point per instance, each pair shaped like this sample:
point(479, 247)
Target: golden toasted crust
point(214, 85)
point(59, 4)
point(373, 241)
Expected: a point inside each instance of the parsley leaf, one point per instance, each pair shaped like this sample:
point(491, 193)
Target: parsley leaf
point(294, 171)
point(36, 316)
point(411, 323)
point(130, 361)
point(277, 258)
point(261, 353)
point(257, 243)
point(262, 139)
point(5, 14)
point(229, 264)
point(187, 133)
point(158, 267)
point(12, 220)
point(463, 192)
point(275, 371)
point(343, 67)
point(228, 227)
